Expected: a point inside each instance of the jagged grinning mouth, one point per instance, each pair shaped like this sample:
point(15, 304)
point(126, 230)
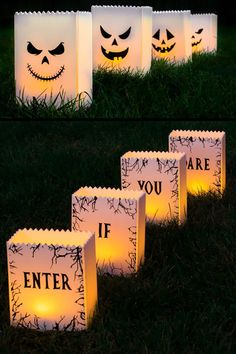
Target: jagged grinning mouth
point(163, 50)
point(116, 56)
point(45, 78)
point(194, 44)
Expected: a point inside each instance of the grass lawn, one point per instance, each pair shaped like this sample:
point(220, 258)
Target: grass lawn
point(183, 298)
point(202, 89)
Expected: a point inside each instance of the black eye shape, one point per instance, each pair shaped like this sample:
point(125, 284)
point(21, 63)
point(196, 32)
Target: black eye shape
point(199, 31)
point(32, 50)
point(58, 50)
point(169, 34)
point(104, 33)
point(157, 35)
point(125, 34)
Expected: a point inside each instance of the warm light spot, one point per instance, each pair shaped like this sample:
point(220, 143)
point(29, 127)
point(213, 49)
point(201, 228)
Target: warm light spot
point(111, 253)
point(157, 209)
point(152, 210)
point(198, 187)
point(44, 306)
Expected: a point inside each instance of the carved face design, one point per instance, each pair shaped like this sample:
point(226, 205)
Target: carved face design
point(45, 58)
point(121, 37)
point(118, 43)
point(163, 42)
point(196, 38)
point(51, 62)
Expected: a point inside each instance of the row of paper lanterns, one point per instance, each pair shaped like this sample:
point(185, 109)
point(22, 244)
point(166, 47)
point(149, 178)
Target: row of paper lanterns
point(52, 274)
point(56, 52)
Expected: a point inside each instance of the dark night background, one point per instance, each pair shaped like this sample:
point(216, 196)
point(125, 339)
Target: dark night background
point(226, 14)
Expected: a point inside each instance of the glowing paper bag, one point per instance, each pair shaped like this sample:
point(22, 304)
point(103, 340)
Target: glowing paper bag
point(162, 176)
point(171, 35)
point(53, 56)
point(52, 279)
point(204, 32)
point(118, 219)
point(122, 37)
point(205, 158)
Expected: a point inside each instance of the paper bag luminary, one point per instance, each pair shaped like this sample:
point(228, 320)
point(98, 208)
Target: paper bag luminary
point(118, 219)
point(52, 279)
point(204, 32)
point(205, 158)
point(162, 176)
point(53, 57)
point(122, 37)
point(171, 32)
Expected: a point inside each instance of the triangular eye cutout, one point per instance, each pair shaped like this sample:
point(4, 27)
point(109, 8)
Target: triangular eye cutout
point(104, 33)
point(157, 35)
point(32, 50)
point(125, 34)
point(169, 34)
point(199, 31)
point(58, 50)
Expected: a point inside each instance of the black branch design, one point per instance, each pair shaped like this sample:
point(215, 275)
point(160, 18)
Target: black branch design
point(189, 141)
point(15, 299)
point(170, 167)
point(12, 266)
point(132, 254)
point(72, 325)
point(35, 248)
point(183, 141)
point(75, 253)
point(36, 322)
point(214, 143)
point(128, 207)
point(217, 173)
point(57, 325)
point(175, 194)
point(127, 165)
point(16, 249)
point(56, 253)
point(81, 205)
point(167, 166)
point(23, 322)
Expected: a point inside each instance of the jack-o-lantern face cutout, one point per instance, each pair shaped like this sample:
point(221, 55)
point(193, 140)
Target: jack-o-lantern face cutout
point(171, 36)
point(53, 57)
point(116, 55)
point(165, 43)
point(204, 32)
point(45, 56)
point(121, 37)
point(196, 40)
